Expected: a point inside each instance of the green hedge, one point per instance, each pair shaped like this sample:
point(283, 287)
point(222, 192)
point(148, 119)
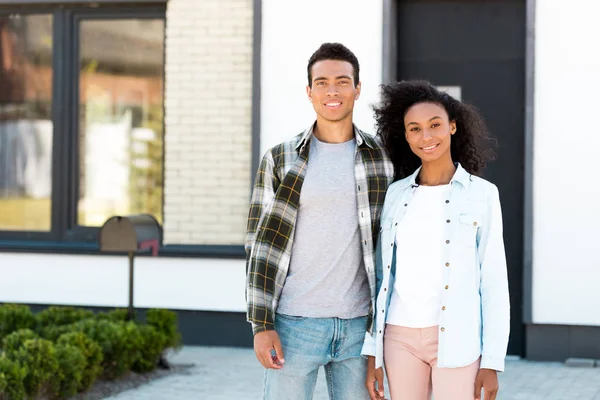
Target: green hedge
point(92, 353)
point(14, 317)
point(62, 351)
point(57, 316)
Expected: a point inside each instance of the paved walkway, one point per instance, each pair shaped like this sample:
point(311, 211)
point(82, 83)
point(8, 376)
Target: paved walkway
point(234, 374)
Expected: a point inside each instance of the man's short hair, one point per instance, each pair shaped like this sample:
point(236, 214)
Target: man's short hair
point(333, 51)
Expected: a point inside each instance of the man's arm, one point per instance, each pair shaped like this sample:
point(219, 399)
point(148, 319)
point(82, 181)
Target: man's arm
point(265, 185)
point(257, 300)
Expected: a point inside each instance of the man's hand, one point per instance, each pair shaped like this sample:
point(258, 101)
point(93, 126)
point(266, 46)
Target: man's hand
point(374, 375)
point(264, 342)
point(488, 380)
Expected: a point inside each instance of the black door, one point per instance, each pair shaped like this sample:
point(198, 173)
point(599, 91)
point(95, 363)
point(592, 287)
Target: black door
point(479, 46)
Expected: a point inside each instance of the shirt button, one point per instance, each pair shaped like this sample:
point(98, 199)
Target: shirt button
point(392, 244)
point(446, 287)
point(447, 264)
point(405, 204)
point(447, 201)
point(385, 289)
point(443, 308)
point(447, 221)
point(382, 311)
point(442, 329)
point(365, 242)
point(359, 188)
point(380, 332)
point(447, 242)
point(474, 223)
point(389, 266)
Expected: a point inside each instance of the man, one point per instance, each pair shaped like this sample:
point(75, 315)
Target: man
point(312, 227)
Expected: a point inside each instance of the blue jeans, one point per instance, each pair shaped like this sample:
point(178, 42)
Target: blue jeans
point(308, 344)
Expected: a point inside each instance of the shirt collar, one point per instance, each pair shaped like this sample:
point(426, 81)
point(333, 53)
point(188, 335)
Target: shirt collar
point(460, 175)
point(360, 136)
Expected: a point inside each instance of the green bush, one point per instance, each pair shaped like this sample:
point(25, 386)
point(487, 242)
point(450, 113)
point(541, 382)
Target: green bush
point(152, 346)
point(14, 341)
point(38, 357)
point(12, 376)
point(87, 347)
point(57, 316)
point(165, 322)
point(53, 332)
point(116, 315)
point(92, 353)
point(72, 364)
point(112, 338)
point(14, 317)
point(133, 341)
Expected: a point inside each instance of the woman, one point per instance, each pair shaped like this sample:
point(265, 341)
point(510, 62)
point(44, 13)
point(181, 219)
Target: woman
point(442, 308)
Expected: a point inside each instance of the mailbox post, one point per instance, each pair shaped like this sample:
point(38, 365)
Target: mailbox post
point(132, 235)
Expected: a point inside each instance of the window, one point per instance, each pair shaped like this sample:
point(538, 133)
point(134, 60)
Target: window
point(26, 126)
point(120, 118)
point(81, 119)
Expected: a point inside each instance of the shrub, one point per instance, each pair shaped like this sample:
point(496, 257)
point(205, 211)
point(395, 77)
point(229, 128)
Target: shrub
point(12, 342)
point(112, 338)
point(92, 353)
point(11, 379)
point(14, 317)
point(71, 364)
point(152, 346)
point(53, 332)
point(57, 316)
point(116, 315)
point(38, 357)
point(133, 341)
point(165, 322)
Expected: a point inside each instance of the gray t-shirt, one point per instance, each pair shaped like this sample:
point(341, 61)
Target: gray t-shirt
point(326, 277)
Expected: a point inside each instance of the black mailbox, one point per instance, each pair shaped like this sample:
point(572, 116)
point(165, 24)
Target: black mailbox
point(130, 234)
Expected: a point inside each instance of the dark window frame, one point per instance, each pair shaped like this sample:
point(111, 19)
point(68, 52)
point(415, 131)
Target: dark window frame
point(65, 235)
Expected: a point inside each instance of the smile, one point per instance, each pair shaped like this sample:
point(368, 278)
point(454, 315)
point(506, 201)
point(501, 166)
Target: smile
point(430, 149)
point(333, 104)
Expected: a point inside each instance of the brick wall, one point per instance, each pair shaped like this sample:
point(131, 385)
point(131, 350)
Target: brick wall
point(208, 102)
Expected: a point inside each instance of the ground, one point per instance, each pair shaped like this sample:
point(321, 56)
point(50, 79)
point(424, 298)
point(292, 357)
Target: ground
point(222, 373)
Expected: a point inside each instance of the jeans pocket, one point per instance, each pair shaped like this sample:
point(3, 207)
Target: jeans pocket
point(291, 318)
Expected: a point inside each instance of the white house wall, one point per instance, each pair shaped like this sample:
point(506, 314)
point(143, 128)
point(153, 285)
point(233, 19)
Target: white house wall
point(103, 281)
point(566, 260)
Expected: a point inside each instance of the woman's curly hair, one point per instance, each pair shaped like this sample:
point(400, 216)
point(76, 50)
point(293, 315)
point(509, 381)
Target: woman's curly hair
point(470, 144)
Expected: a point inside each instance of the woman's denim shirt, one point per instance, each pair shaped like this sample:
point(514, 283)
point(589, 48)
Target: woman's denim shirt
point(475, 311)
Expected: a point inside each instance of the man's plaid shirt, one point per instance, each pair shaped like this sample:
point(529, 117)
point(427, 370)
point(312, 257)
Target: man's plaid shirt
point(274, 209)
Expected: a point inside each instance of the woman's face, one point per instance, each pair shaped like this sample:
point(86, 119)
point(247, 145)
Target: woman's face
point(428, 131)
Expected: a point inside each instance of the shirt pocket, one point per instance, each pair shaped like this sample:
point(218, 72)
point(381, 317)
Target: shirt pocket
point(386, 236)
point(469, 223)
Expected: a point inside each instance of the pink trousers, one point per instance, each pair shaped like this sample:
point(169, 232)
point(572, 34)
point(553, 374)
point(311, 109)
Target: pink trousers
point(410, 356)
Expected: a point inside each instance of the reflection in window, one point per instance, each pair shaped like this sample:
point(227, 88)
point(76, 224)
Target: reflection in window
point(25, 122)
point(121, 119)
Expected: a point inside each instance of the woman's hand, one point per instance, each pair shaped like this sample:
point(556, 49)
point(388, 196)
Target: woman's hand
point(488, 380)
point(374, 381)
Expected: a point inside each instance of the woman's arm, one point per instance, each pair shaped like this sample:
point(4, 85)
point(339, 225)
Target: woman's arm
point(494, 287)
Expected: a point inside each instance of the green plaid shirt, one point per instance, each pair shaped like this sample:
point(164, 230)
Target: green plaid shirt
point(274, 210)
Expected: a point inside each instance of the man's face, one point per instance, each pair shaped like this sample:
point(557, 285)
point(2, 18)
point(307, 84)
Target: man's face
point(333, 90)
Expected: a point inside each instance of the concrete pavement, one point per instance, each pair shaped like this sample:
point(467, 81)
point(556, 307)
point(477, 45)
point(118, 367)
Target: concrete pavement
point(223, 373)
